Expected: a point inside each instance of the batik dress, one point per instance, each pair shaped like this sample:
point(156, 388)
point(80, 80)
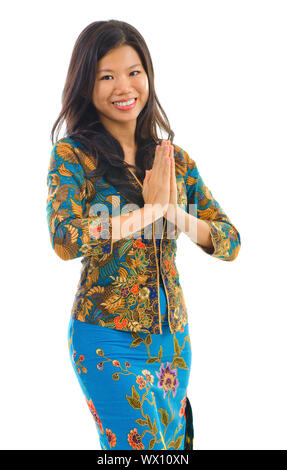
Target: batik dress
point(135, 383)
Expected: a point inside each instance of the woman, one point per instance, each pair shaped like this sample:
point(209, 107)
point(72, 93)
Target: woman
point(128, 334)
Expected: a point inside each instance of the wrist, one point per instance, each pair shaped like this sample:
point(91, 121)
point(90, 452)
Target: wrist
point(157, 211)
point(171, 212)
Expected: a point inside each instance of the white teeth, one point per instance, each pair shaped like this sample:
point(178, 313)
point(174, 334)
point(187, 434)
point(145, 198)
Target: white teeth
point(125, 103)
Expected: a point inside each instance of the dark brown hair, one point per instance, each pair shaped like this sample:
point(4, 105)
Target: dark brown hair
point(82, 120)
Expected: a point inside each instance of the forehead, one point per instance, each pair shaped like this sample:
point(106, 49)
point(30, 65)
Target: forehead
point(119, 58)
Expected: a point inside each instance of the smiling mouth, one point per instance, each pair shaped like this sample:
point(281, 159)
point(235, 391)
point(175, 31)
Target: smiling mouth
point(113, 102)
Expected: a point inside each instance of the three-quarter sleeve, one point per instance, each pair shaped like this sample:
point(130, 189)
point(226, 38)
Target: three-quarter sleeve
point(224, 235)
point(73, 231)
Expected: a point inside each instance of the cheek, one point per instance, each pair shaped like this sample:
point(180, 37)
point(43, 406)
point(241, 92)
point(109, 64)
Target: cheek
point(101, 91)
point(143, 85)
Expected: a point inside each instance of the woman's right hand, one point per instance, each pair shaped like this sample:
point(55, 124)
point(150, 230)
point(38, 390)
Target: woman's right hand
point(156, 186)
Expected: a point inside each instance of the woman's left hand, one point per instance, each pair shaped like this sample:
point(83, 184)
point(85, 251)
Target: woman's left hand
point(173, 187)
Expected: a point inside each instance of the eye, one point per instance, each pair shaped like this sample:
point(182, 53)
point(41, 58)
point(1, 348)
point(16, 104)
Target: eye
point(138, 71)
point(105, 77)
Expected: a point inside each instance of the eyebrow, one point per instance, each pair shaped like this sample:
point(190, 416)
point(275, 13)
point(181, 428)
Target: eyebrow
point(110, 70)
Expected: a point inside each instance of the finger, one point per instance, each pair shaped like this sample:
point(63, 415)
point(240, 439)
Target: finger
point(171, 158)
point(160, 163)
point(171, 173)
point(148, 175)
point(157, 158)
point(166, 151)
point(172, 167)
point(166, 166)
point(165, 144)
point(165, 158)
point(171, 154)
point(173, 164)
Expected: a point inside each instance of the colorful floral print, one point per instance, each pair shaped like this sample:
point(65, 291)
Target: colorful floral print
point(167, 379)
point(135, 385)
point(119, 280)
point(95, 414)
point(111, 438)
point(79, 364)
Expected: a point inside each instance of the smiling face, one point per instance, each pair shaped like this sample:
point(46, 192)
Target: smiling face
point(124, 78)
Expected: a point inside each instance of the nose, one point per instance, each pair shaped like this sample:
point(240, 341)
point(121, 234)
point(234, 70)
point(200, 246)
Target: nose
point(122, 85)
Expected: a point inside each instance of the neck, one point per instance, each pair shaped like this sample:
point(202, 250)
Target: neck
point(124, 132)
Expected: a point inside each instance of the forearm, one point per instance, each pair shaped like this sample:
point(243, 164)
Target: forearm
point(196, 229)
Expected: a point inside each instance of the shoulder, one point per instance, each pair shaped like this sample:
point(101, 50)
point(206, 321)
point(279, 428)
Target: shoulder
point(184, 163)
point(71, 154)
point(66, 146)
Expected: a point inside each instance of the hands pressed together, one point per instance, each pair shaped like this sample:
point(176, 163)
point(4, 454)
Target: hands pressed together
point(159, 185)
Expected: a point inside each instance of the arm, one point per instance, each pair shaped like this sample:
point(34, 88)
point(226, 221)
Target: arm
point(70, 226)
point(196, 229)
point(74, 232)
point(224, 236)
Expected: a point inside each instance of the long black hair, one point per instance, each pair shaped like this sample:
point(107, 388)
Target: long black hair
point(82, 120)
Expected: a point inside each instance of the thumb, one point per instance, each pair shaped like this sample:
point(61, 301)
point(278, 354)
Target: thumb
point(147, 174)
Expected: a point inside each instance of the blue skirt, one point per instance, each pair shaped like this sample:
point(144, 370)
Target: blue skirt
point(135, 384)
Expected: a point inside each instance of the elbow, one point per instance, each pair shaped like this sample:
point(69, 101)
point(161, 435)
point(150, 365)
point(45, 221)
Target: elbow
point(235, 246)
point(233, 254)
point(64, 249)
point(226, 240)
point(62, 254)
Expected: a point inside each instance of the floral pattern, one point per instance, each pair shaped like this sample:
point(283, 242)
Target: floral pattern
point(167, 379)
point(145, 408)
point(119, 281)
point(95, 414)
point(133, 372)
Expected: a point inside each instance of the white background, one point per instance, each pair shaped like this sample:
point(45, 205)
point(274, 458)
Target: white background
point(220, 75)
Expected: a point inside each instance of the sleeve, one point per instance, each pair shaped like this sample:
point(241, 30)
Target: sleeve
point(73, 232)
point(225, 237)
